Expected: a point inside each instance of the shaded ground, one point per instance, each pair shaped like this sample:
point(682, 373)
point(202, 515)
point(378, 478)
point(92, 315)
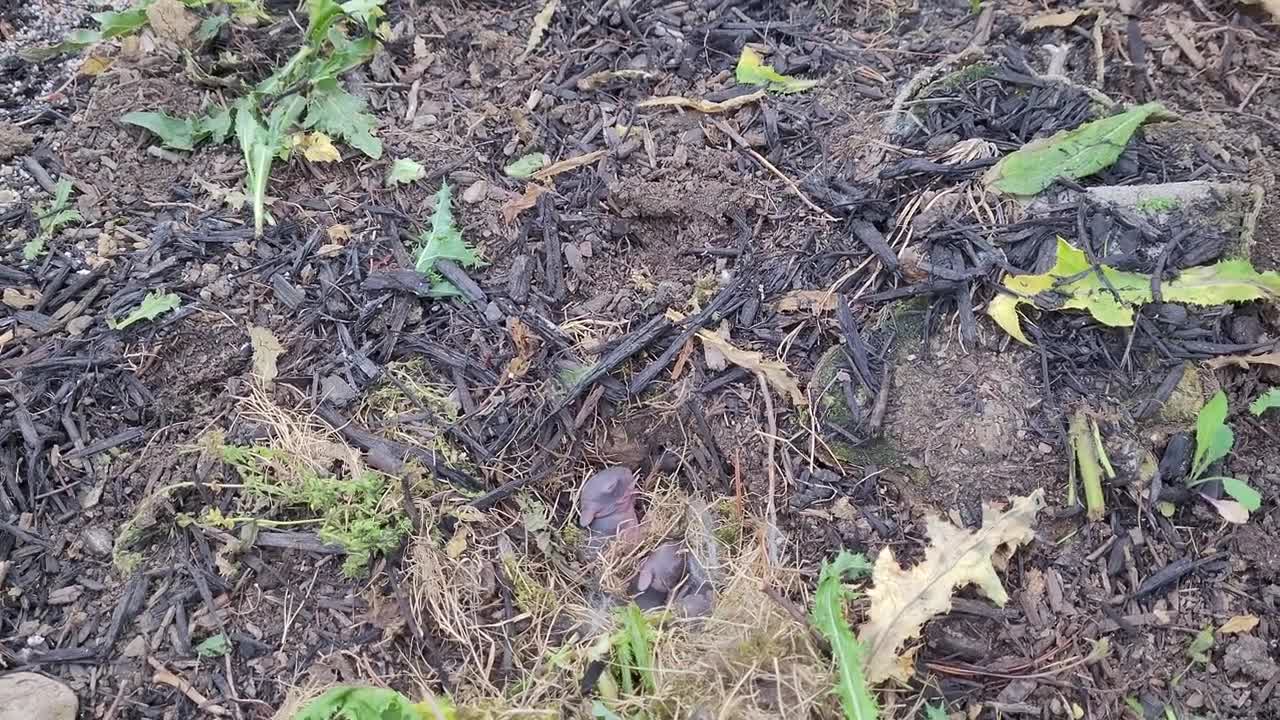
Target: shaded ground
point(487, 396)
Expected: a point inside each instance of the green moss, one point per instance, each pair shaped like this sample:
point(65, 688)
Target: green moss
point(1158, 204)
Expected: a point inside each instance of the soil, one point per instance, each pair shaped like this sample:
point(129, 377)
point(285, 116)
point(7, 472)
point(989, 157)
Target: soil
point(490, 409)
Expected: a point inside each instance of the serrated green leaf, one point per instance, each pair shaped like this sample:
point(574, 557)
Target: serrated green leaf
point(1076, 153)
point(214, 646)
point(124, 22)
point(154, 305)
point(56, 214)
point(1075, 285)
point(61, 194)
point(1242, 492)
point(828, 617)
point(33, 248)
point(527, 165)
point(321, 15)
point(338, 113)
point(1266, 401)
point(370, 703)
point(209, 28)
point(1199, 648)
point(1213, 438)
point(176, 133)
point(935, 712)
point(751, 70)
point(215, 126)
point(344, 55)
point(404, 171)
point(443, 240)
point(75, 40)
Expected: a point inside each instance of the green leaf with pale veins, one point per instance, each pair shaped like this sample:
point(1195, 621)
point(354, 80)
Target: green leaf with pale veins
point(154, 305)
point(405, 171)
point(1073, 284)
point(443, 240)
point(1243, 493)
point(1266, 401)
point(1076, 153)
point(828, 617)
point(527, 165)
point(261, 144)
point(215, 126)
point(751, 70)
point(338, 113)
point(176, 133)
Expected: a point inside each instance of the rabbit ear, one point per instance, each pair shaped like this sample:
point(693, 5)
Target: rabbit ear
point(645, 580)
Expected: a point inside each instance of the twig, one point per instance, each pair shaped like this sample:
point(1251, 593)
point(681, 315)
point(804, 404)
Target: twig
point(746, 147)
point(165, 677)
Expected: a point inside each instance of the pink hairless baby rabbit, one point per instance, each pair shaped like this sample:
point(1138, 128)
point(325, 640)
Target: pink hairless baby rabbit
point(608, 502)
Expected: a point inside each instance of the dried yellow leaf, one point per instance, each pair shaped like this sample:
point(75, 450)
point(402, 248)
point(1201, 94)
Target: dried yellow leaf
point(701, 105)
point(1062, 19)
point(316, 147)
point(541, 22)
point(458, 543)
point(818, 301)
point(774, 372)
point(902, 601)
point(95, 65)
point(567, 164)
point(1239, 624)
point(266, 351)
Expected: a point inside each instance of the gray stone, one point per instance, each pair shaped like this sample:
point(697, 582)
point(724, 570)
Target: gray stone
point(98, 541)
point(1250, 655)
point(28, 696)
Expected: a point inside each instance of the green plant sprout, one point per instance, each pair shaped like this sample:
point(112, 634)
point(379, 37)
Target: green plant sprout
point(52, 217)
point(1214, 440)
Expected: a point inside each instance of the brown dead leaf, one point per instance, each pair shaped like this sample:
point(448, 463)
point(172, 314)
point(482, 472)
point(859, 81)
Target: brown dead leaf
point(1062, 19)
point(512, 208)
point(526, 343)
point(775, 373)
point(338, 233)
point(902, 601)
point(541, 22)
point(1244, 361)
point(813, 300)
point(1239, 624)
point(567, 164)
point(170, 20)
point(266, 351)
point(705, 106)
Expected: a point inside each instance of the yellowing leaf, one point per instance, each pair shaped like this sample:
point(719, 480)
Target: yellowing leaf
point(903, 600)
point(701, 105)
point(266, 350)
point(1239, 624)
point(1113, 303)
point(541, 22)
point(751, 70)
point(567, 164)
point(316, 147)
point(1074, 153)
point(775, 373)
point(458, 543)
point(95, 65)
point(338, 233)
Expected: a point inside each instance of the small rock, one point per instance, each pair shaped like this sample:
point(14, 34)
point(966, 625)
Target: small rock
point(136, 648)
point(78, 324)
point(337, 391)
point(98, 541)
point(65, 595)
point(28, 696)
point(13, 141)
point(1044, 449)
point(475, 192)
point(1249, 655)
